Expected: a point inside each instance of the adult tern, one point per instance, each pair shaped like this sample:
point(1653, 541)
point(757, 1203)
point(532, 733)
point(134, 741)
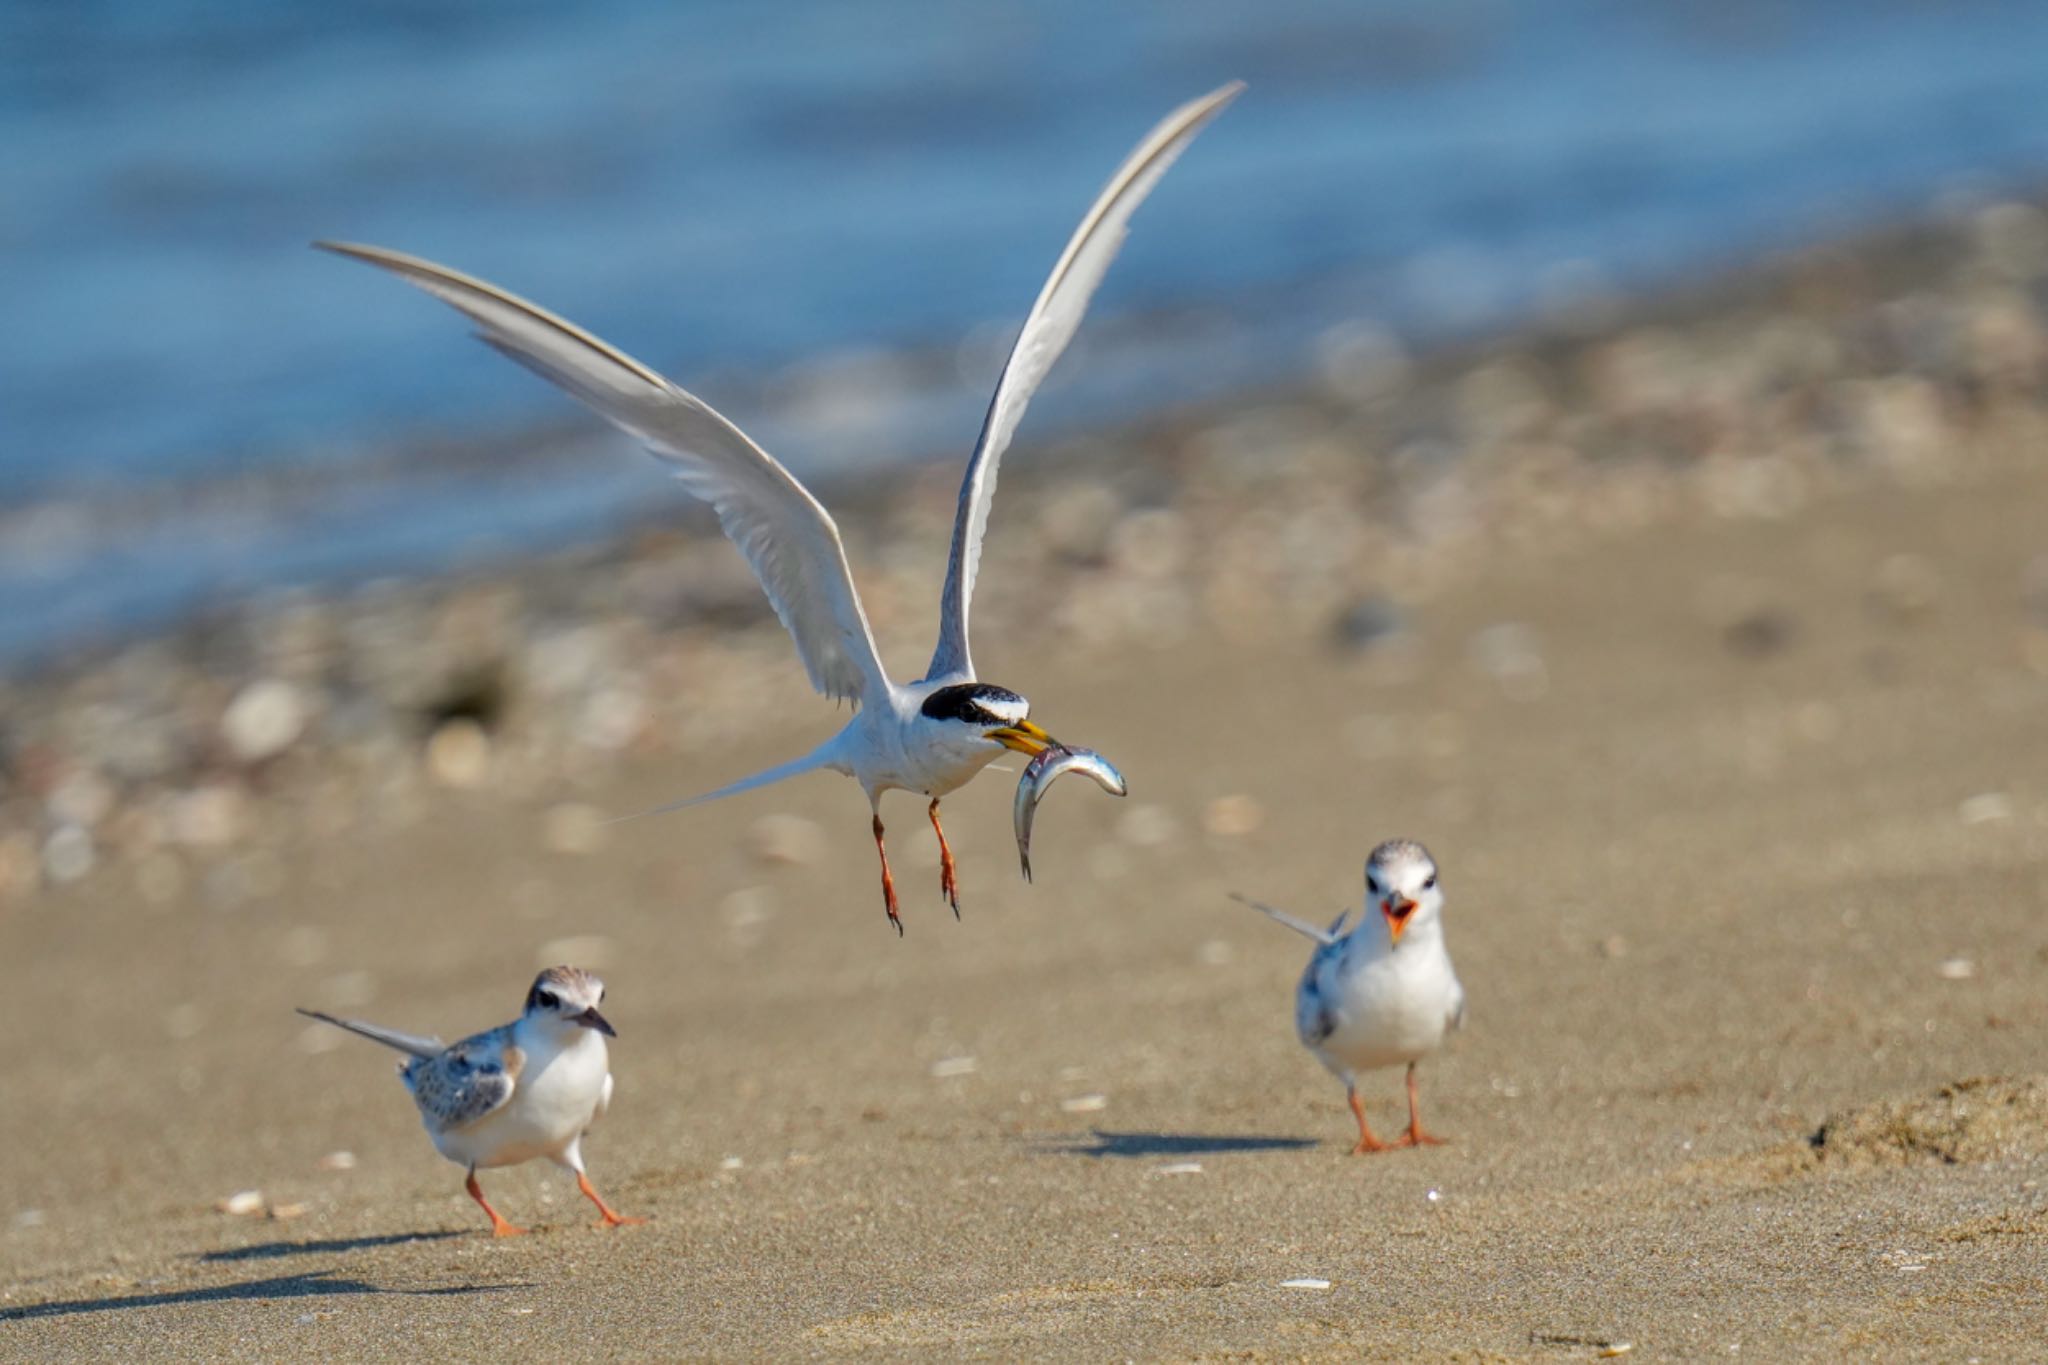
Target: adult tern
point(927, 737)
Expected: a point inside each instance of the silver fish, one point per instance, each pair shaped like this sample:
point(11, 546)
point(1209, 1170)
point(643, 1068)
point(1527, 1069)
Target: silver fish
point(1050, 765)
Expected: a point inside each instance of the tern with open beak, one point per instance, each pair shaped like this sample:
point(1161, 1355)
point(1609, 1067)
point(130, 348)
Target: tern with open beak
point(1383, 994)
point(929, 737)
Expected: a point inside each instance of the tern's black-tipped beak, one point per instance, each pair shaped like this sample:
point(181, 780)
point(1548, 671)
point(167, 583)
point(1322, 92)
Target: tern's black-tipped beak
point(1024, 737)
point(590, 1018)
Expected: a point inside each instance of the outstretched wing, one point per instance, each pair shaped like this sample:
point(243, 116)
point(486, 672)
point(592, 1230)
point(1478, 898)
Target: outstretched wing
point(474, 1078)
point(788, 538)
point(1050, 326)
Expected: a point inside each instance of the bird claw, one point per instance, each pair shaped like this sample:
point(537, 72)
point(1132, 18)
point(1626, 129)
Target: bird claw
point(1415, 1137)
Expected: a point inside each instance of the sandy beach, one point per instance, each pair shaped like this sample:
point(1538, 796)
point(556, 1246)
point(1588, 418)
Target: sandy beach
point(1734, 772)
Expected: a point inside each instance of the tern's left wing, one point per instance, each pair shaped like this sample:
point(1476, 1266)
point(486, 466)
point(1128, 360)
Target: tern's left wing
point(1053, 320)
point(789, 539)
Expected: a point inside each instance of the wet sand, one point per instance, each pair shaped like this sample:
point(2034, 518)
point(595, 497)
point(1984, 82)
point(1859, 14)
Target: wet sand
point(1744, 827)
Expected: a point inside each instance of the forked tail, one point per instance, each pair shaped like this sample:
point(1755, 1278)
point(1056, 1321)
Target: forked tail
point(820, 757)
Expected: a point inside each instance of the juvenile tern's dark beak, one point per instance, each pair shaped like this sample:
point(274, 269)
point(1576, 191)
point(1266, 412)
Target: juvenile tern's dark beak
point(590, 1018)
point(1024, 737)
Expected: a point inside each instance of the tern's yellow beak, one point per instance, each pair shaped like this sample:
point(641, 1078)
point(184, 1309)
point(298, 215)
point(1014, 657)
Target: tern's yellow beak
point(1024, 737)
point(1397, 909)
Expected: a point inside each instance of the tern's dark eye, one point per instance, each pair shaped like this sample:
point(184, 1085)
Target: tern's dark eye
point(1430, 884)
point(546, 1001)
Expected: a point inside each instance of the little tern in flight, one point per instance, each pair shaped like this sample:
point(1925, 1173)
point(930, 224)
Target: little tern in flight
point(927, 737)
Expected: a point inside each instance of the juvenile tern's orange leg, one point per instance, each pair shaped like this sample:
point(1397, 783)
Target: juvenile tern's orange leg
point(1416, 1137)
point(612, 1219)
point(499, 1227)
point(888, 882)
point(1366, 1141)
point(949, 886)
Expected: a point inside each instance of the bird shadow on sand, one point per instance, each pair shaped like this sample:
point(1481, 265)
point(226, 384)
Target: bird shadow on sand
point(268, 1251)
point(307, 1284)
point(1100, 1144)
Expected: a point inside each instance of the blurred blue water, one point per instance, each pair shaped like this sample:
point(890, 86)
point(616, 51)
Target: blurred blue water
point(778, 206)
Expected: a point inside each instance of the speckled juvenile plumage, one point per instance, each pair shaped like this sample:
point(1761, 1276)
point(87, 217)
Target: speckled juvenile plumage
point(519, 1091)
point(465, 1082)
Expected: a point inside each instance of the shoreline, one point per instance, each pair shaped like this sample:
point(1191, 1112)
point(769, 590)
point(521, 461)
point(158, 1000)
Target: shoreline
point(1385, 476)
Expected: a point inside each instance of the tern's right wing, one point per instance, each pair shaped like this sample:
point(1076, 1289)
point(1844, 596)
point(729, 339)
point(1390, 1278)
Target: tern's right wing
point(789, 539)
point(1051, 324)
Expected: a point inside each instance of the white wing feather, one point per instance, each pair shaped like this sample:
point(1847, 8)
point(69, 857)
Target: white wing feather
point(1048, 328)
point(788, 538)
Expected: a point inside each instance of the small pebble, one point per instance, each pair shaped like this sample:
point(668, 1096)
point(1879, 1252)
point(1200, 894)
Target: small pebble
point(1985, 808)
point(459, 754)
point(68, 855)
point(1613, 1349)
point(1957, 969)
point(1229, 817)
point(263, 720)
point(281, 1212)
point(1182, 1168)
point(241, 1203)
point(731, 1163)
point(1305, 1282)
point(1368, 623)
point(337, 1161)
point(954, 1066)
point(1084, 1104)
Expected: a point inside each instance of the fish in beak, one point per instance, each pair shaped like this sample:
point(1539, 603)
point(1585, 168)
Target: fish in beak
point(1024, 737)
point(590, 1018)
point(1397, 909)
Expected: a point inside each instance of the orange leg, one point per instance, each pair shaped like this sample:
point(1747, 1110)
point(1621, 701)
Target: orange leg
point(949, 886)
point(1366, 1141)
point(612, 1219)
point(888, 882)
point(1416, 1137)
point(499, 1227)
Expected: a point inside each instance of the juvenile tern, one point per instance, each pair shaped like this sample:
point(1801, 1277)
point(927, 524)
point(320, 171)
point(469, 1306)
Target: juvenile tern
point(1383, 994)
point(522, 1090)
point(928, 737)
